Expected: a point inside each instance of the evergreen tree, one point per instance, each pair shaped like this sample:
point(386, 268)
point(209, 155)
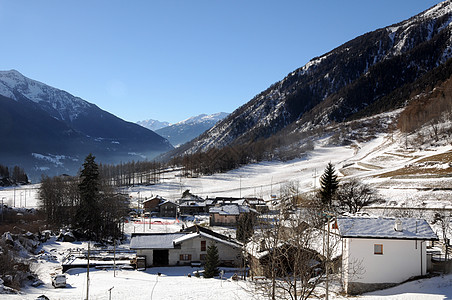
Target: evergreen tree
point(328, 185)
point(212, 262)
point(88, 217)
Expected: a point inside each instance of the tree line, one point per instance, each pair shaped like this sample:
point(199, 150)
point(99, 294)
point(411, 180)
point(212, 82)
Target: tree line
point(132, 173)
point(16, 176)
point(429, 108)
point(220, 160)
point(88, 203)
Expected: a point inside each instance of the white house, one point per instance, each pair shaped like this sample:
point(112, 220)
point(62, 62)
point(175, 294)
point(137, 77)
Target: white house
point(382, 252)
point(184, 248)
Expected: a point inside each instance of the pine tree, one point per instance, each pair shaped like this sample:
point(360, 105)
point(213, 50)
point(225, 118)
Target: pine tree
point(88, 217)
point(328, 185)
point(212, 262)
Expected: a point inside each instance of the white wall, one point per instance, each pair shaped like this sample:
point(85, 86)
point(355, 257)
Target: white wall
point(149, 256)
point(400, 260)
point(193, 247)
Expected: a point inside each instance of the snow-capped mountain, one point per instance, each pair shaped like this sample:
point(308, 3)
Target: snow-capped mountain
point(59, 104)
point(203, 118)
point(153, 124)
point(361, 77)
point(47, 130)
point(186, 130)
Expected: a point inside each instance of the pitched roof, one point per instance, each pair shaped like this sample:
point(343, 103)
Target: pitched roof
point(168, 202)
point(169, 240)
point(207, 236)
point(230, 209)
point(154, 240)
point(384, 228)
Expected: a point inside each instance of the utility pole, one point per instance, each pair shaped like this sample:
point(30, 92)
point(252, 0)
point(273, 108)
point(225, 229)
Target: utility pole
point(271, 188)
point(3, 207)
point(87, 275)
point(327, 258)
point(109, 291)
point(240, 178)
point(114, 260)
point(315, 177)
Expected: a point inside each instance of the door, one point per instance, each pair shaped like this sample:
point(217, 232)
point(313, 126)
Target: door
point(160, 258)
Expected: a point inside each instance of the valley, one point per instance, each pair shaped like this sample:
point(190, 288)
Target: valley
point(265, 187)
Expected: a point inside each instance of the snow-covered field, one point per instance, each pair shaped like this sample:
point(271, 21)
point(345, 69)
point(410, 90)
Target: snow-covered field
point(366, 161)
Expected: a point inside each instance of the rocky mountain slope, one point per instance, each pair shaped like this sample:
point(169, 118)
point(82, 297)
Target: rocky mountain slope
point(361, 77)
point(47, 130)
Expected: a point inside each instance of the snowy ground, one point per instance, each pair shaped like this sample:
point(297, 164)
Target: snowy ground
point(174, 282)
point(366, 161)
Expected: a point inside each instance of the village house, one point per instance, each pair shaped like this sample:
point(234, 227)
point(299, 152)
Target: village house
point(192, 205)
point(185, 248)
point(168, 209)
point(152, 204)
point(381, 252)
point(258, 204)
point(228, 215)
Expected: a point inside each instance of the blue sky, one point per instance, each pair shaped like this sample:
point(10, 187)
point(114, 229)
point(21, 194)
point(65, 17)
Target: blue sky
point(170, 60)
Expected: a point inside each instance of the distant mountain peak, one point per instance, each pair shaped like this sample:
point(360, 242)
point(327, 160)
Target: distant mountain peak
point(186, 130)
point(203, 118)
point(153, 124)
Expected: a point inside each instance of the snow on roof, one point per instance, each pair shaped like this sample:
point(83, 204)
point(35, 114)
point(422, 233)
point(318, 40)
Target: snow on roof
point(189, 203)
point(205, 235)
point(231, 209)
point(166, 202)
point(154, 240)
point(384, 228)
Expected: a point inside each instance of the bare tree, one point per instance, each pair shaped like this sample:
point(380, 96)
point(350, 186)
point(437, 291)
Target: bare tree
point(286, 253)
point(353, 195)
point(443, 218)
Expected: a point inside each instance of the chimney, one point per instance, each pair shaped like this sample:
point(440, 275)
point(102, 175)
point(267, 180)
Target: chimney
point(398, 225)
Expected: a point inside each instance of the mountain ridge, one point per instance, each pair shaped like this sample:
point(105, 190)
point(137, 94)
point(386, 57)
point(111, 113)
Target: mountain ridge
point(43, 121)
point(188, 129)
point(339, 83)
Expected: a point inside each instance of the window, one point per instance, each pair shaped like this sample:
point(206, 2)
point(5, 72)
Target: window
point(203, 245)
point(334, 226)
point(378, 249)
point(185, 257)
